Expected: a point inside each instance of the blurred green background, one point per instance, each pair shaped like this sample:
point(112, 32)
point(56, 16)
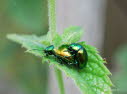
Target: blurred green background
point(22, 72)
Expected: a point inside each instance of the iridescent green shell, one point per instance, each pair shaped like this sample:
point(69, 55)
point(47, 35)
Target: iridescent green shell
point(80, 54)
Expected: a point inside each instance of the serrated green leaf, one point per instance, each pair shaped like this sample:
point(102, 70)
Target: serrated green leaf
point(31, 42)
point(72, 34)
point(92, 79)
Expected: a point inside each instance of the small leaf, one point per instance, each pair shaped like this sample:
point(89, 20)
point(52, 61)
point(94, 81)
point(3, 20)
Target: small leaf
point(49, 36)
point(47, 43)
point(72, 34)
point(57, 40)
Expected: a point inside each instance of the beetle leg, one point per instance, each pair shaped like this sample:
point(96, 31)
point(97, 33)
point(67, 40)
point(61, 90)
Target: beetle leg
point(66, 56)
point(58, 59)
point(61, 62)
point(74, 63)
point(46, 55)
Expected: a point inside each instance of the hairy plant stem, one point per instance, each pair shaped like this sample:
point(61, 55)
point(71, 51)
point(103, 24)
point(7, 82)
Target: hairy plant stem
point(52, 29)
point(52, 17)
point(60, 80)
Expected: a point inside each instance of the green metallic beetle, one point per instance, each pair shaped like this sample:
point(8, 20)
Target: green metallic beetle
point(73, 55)
point(60, 54)
point(79, 54)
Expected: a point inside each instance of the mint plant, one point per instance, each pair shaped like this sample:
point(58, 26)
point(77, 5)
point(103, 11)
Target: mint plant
point(93, 79)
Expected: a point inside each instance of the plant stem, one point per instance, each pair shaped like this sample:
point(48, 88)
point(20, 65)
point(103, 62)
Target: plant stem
point(60, 80)
point(52, 29)
point(52, 17)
